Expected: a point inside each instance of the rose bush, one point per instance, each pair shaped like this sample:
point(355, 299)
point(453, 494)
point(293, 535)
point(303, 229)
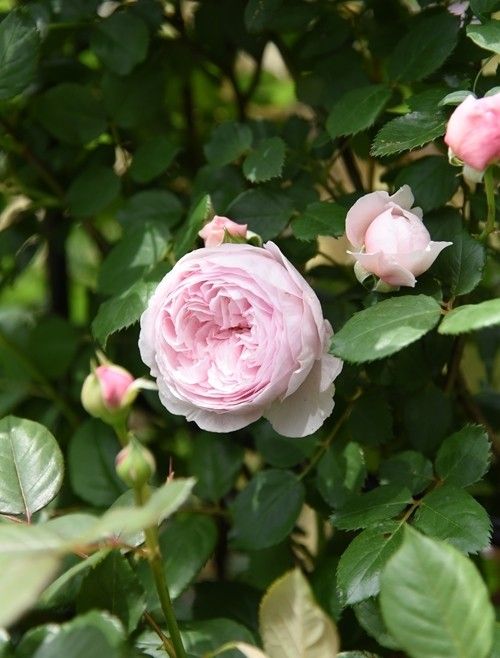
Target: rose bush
point(234, 333)
point(391, 238)
point(473, 131)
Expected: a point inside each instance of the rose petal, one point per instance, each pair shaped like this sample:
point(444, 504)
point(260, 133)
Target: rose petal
point(386, 268)
point(419, 261)
point(361, 215)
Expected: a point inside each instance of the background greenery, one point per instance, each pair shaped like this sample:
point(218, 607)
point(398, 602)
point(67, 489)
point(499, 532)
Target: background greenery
point(123, 126)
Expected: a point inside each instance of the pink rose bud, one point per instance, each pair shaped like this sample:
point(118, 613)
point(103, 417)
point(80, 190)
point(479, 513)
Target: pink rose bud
point(390, 239)
point(216, 231)
point(473, 132)
point(235, 333)
point(108, 392)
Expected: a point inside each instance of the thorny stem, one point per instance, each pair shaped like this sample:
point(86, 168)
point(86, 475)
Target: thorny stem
point(489, 188)
point(142, 494)
point(165, 640)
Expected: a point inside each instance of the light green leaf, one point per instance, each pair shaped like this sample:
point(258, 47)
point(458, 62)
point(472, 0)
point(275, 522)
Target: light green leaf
point(455, 98)
point(424, 48)
point(194, 223)
point(358, 574)
point(71, 113)
point(408, 132)
point(265, 512)
point(357, 110)
point(385, 328)
point(227, 143)
point(486, 35)
point(434, 601)
point(292, 625)
point(320, 218)
point(31, 466)
point(464, 457)
point(91, 464)
point(369, 616)
point(356, 654)
point(94, 189)
point(152, 158)
point(77, 642)
point(121, 41)
point(266, 161)
point(471, 317)
point(112, 585)
point(363, 510)
point(452, 514)
point(266, 212)
point(19, 45)
point(139, 250)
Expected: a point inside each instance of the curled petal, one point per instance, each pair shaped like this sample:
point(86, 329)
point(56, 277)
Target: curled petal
point(386, 268)
point(419, 262)
point(362, 214)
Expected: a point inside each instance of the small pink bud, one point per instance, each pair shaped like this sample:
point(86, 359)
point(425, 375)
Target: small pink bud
point(215, 232)
point(114, 382)
point(108, 392)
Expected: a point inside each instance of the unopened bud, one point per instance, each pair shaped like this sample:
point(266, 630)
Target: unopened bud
point(222, 229)
point(108, 392)
point(135, 464)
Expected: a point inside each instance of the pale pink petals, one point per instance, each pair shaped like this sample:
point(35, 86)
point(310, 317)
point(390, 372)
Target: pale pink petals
point(473, 131)
point(230, 330)
point(115, 382)
point(213, 232)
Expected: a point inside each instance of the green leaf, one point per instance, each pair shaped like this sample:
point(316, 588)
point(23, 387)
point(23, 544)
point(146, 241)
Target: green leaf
point(369, 616)
point(460, 266)
point(121, 42)
point(408, 132)
point(427, 417)
point(227, 143)
point(424, 48)
point(52, 345)
point(455, 97)
point(486, 36)
point(266, 161)
point(258, 14)
point(19, 45)
point(452, 514)
point(385, 328)
point(152, 158)
point(77, 642)
point(194, 223)
point(265, 511)
point(357, 110)
point(464, 457)
point(320, 218)
point(94, 189)
point(407, 468)
point(356, 654)
point(186, 545)
point(282, 451)
point(432, 180)
point(139, 250)
point(434, 601)
point(215, 462)
point(266, 212)
point(341, 473)
point(370, 508)
point(371, 419)
point(31, 465)
point(91, 464)
point(483, 7)
point(151, 206)
point(292, 624)
point(358, 573)
point(123, 310)
point(496, 642)
point(471, 317)
point(113, 586)
point(71, 113)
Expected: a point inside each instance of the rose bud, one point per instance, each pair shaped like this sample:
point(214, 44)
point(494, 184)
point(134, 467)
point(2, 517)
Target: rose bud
point(390, 239)
point(473, 131)
point(220, 230)
point(233, 333)
point(135, 464)
point(108, 392)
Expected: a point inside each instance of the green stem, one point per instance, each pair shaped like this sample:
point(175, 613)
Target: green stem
point(142, 494)
point(489, 188)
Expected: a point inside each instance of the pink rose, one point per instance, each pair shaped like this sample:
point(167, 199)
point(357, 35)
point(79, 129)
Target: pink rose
point(213, 232)
point(108, 392)
point(390, 237)
point(473, 132)
point(115, 383)
point(234, 333)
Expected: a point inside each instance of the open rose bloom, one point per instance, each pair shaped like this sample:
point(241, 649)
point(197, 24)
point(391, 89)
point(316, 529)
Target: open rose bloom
point(473, 131)
point(233, 333)
point(389, 238)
